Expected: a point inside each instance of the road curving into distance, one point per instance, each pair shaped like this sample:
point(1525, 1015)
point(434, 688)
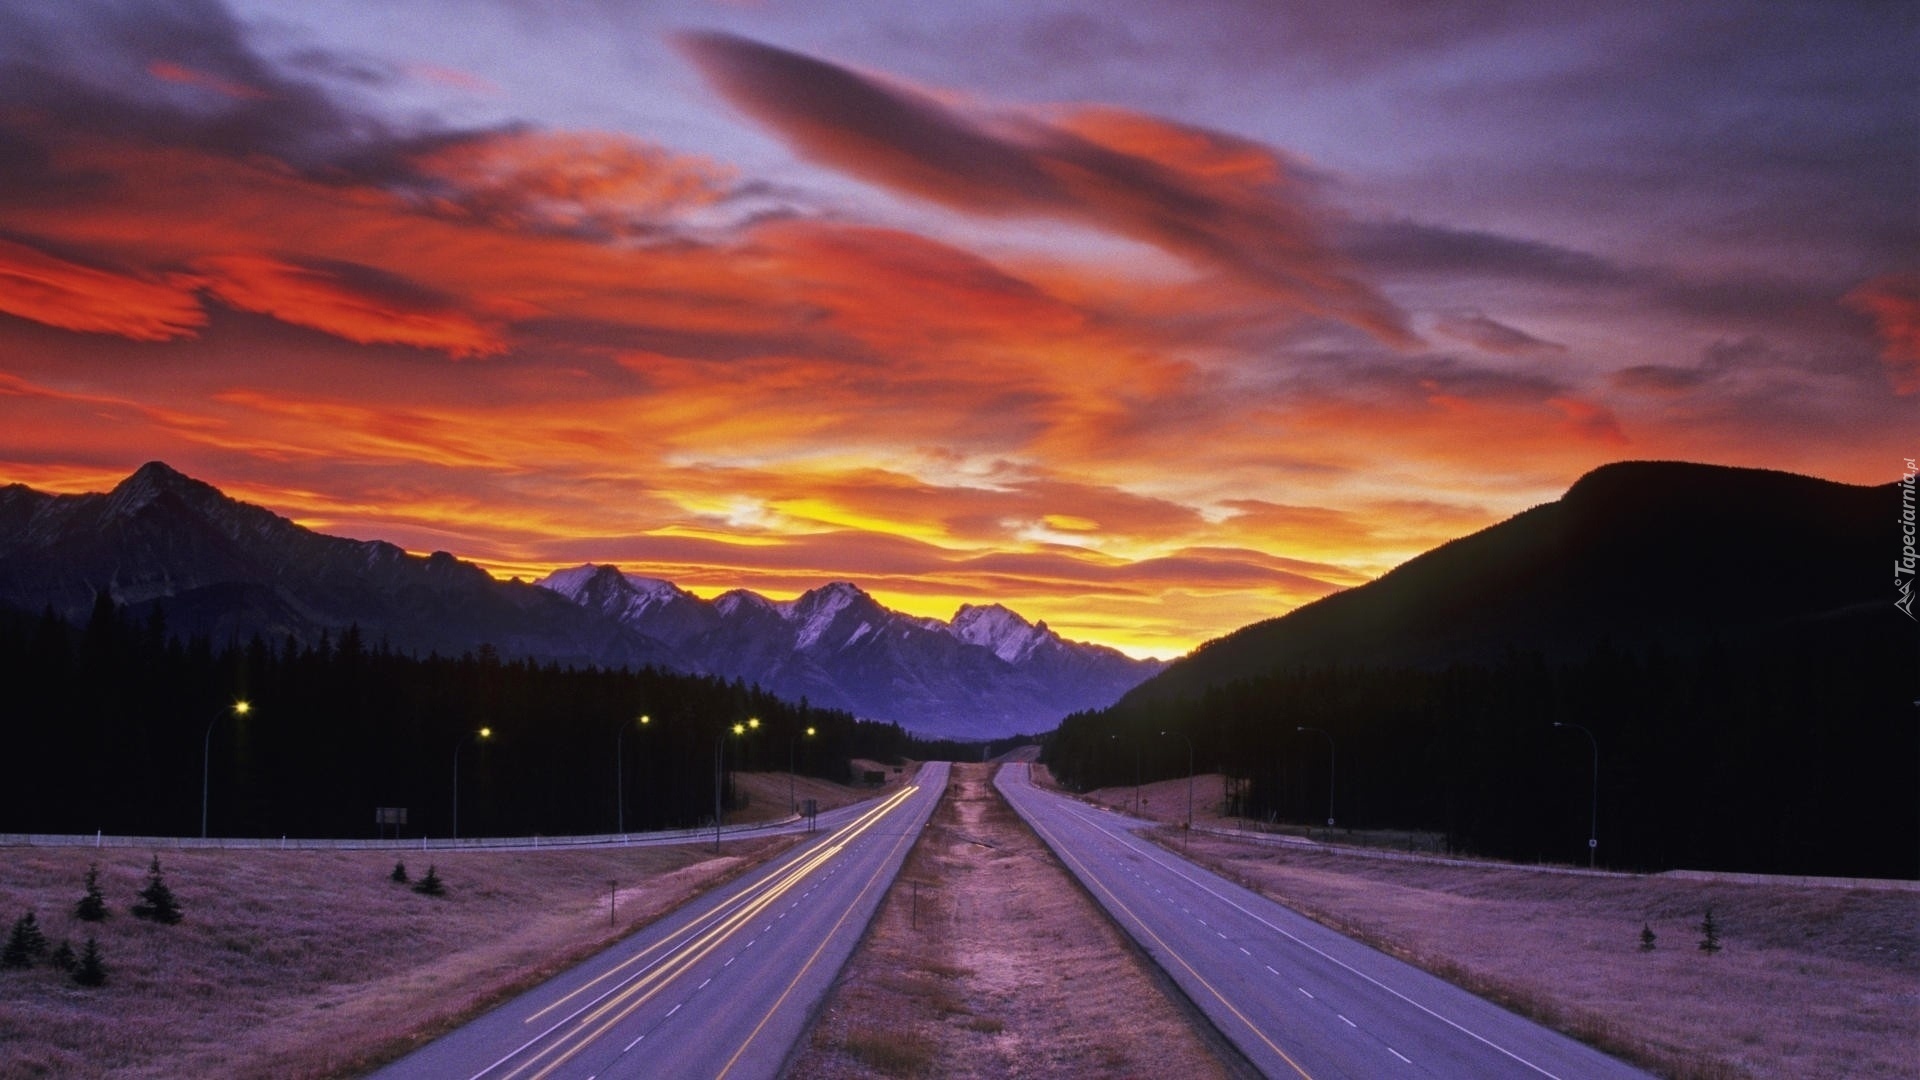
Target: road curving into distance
point(723, 987)
point(1298, 999)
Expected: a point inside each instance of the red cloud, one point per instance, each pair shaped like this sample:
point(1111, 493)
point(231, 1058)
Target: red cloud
point(327, 302)
point(1218, 202)
point(37, 286)
point(169, 71)
point(1894, 302)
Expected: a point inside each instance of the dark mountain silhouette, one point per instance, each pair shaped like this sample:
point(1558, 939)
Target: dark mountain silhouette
point(228, 571)
point(1636, 552)
point(1721, 644)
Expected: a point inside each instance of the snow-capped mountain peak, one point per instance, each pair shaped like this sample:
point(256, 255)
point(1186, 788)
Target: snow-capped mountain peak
point(1000, 630)
point(816, 610)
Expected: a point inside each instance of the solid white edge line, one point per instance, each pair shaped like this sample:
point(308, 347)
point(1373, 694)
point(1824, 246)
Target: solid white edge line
point(1147, 851)
point(1126, 838)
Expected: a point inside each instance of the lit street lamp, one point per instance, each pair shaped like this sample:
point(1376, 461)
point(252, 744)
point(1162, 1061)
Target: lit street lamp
point(483, 733)
point(1330, 768)
point(619, 776)
point(793, 801)
point(240, 708)
point(719, 745)
point(1593, 811)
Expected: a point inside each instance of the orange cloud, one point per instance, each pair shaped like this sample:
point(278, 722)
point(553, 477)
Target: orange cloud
point(607, 185)
point(56, 292)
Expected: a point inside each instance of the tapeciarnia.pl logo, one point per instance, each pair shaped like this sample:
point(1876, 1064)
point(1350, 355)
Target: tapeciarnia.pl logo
point(1903, 566)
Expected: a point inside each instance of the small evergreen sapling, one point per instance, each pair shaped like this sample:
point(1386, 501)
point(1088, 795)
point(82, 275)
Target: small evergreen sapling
point(93, 906)
point(399, 873)
point(156, 900)
point(1709, 933)
point(430, 885)
point(63, 957)
point(25, 943)
point(91, 971)
point(1646, 937)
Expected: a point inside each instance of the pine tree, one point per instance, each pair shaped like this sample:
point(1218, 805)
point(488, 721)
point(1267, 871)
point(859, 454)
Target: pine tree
point(93, 906)
point(156, 900)
point(91, 971)
point(431, 884)
point(1646, 937)
point(25, 944)
point(399, 873)
point(63, 957)
point(1710, 933)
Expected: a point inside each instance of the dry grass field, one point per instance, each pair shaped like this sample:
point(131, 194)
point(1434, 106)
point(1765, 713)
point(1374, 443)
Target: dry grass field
point(306, 964)
point(986, 961)
point(313, 963)
point(1811, 981)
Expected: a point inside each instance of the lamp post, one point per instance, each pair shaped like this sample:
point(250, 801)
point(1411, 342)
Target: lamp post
point(240, 708)
point(719, 745)
point(1331, 755)
point(1189, 741)
point(793, 800)
point(619, 776)
point(1593, 810)
point(483, 733)
point(1136, 774)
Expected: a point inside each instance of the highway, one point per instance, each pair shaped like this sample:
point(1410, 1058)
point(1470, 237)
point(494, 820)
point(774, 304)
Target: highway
point(722, 987)
point(1297, 999)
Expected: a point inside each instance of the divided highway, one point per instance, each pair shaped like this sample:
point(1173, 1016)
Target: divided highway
point(723, 987)
point(1298, 999)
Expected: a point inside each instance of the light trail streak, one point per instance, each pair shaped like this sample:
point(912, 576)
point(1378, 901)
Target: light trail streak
point(709, 932)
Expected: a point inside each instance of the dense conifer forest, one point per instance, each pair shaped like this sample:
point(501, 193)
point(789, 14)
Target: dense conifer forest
point(1797, 755)
point(105, 725)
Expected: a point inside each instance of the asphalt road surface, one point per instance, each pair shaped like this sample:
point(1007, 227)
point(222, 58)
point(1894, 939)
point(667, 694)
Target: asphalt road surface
point(1299, 1000)
point(723, 987)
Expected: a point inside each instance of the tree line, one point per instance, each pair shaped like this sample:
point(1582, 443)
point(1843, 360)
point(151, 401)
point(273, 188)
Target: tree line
point(1793, 755)
point(107, 726)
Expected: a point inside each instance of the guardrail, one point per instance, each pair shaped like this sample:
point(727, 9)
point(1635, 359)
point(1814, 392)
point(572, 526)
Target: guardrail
point(424, 843)
point(1280, 840)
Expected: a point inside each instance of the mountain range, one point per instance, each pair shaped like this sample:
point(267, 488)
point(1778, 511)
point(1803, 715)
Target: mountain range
point(223, 568)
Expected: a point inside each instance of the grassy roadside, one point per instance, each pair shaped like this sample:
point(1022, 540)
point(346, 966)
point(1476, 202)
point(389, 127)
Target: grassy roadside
point(308, 964)
point(985, 960)
point(1811, 981)
point(314, 963)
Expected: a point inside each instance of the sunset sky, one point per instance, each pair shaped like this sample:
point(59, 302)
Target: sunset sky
point(1150, 320)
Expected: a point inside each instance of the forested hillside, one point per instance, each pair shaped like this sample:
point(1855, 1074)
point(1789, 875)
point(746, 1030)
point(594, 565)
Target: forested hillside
point(105, 725)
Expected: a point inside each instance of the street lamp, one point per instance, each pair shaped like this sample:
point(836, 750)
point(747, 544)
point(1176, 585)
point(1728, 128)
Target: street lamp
point(619, 776)
point(1136, 774)
point(1593, 811)
point(793, 801)
point(1330, 767)
point(240, 708)
point(719, 745)
point(483, 733)
point(1189, 742)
